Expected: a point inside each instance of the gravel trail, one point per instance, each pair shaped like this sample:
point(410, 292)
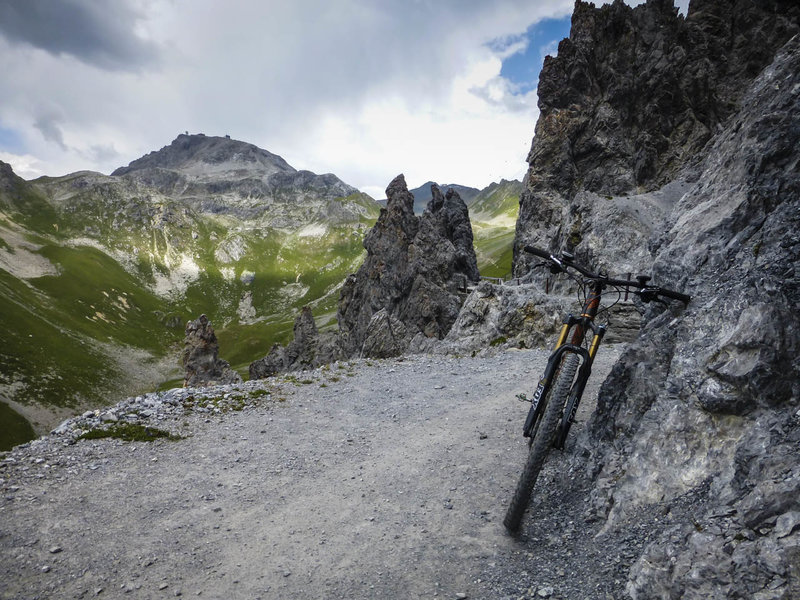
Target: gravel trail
point(369, 479)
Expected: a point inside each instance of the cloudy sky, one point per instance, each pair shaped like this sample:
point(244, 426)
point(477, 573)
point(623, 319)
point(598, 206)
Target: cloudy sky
point(365, 89)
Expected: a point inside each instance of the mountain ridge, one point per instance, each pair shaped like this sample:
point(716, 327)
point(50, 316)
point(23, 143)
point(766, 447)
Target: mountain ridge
point(423, 195)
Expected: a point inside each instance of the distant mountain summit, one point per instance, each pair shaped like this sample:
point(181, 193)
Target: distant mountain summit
point(209, 157)
point(219, 175)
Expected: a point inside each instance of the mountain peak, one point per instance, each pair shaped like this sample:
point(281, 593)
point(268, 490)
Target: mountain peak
point(199, 154)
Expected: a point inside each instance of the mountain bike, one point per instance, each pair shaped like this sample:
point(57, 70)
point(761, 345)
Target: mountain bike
point(555, 401)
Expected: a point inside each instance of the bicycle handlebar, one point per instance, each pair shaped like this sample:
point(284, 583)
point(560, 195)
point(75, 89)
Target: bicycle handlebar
point(639, 287)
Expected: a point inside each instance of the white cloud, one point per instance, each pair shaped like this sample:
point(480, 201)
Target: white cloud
point(460, 136)
point(24, 165)
point(363, 89)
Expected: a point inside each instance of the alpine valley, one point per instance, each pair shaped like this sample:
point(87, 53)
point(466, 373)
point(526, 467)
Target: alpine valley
point(99, 274)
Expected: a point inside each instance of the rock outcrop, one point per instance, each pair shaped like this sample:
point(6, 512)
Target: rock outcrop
point(201, 362)
point(415, 273)
point(673, 144)
point(307, 350)
point(409, 288)
point(631, 99)
point(709, 401)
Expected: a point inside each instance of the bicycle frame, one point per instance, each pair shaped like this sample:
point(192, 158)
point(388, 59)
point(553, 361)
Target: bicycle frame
point(559, 392)
point(581, 325)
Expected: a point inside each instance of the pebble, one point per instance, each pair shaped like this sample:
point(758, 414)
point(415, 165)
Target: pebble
point(55, 549)
point(545, 592)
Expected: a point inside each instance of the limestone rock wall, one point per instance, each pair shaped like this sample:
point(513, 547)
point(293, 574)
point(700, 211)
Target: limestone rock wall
point(630, 101)
point(708, 398)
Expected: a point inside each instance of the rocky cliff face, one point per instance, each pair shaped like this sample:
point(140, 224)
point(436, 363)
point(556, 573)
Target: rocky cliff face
point(632, 97)
point(707, 401)
point(414, 273)
point(671, 144)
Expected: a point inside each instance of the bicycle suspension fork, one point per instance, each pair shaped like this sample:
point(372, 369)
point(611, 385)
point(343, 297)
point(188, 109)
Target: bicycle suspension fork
point(588, 314)
point(581, 325)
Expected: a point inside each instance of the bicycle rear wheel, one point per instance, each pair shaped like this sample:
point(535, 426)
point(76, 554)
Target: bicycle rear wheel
point(542, 442)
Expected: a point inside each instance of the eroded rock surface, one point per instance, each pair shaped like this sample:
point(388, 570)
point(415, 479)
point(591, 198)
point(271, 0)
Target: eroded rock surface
point(201, 362)
point(631, 99)
point(708, 398)
point(416, 270)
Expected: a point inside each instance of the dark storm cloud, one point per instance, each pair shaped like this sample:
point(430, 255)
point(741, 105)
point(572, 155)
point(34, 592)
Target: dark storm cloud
point(50, 128)
point(98, 33)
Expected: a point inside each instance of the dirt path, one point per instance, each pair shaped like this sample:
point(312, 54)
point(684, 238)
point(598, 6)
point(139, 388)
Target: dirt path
point(384, 479)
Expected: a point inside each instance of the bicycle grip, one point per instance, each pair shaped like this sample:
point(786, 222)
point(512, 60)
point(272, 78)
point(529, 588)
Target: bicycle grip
point(538, 252)
point(675, 295)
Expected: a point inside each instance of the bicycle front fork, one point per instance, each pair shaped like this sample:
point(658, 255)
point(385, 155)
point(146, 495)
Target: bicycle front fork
point(576, 392)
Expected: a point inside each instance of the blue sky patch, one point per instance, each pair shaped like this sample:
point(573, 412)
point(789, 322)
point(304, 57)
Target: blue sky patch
point(522, 68)
point(10, 141)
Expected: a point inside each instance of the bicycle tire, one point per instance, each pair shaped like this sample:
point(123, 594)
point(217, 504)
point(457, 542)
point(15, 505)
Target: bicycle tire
point(542, 442)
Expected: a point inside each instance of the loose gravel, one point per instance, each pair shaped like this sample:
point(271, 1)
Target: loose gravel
point(364, 479)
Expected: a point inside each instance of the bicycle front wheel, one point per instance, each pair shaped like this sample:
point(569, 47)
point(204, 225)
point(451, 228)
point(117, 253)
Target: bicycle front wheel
point(541, 442)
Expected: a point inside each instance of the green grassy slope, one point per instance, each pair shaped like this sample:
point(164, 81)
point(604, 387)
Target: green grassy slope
point(494, 213)
point(99, 276)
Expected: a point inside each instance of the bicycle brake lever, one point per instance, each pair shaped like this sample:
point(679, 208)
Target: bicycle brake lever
point(647, 295)
point(556, 266)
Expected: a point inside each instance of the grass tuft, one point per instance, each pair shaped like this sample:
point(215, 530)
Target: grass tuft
point(129, 432)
